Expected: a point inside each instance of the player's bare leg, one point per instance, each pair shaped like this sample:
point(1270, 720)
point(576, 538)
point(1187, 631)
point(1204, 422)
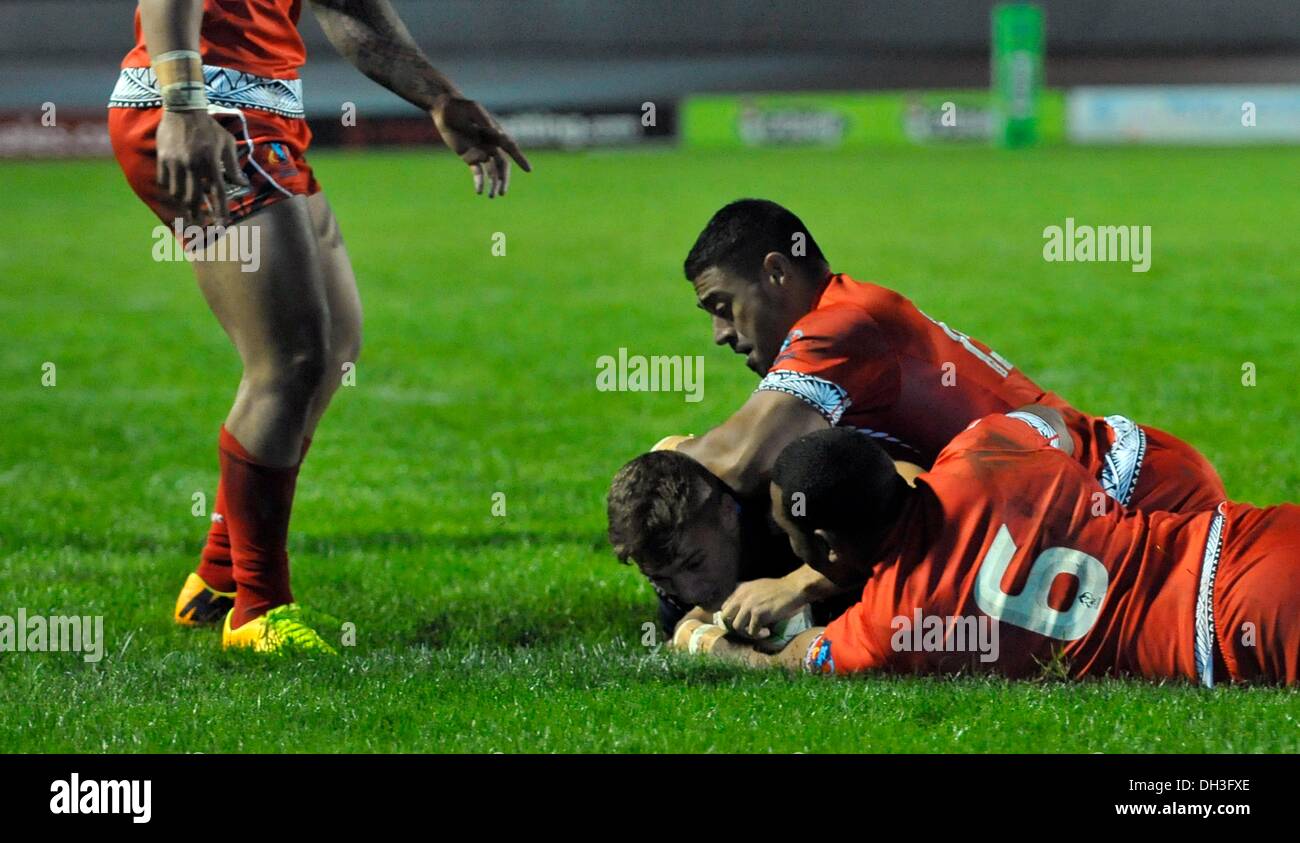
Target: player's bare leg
point(343, 301)
point(278, 318)
point(208, 594)
point(296, 320)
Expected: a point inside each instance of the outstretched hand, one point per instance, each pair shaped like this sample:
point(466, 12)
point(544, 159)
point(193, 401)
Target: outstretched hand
point(472, 133)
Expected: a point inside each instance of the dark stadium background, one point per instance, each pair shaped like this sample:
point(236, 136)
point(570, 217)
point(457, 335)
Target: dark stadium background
point(600, 56)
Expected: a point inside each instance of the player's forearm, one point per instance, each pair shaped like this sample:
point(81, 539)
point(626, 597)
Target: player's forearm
point(718, 454)
point(793, 656)
point(811, 584)
point(696, 637)
point(742, 450)
point(170, 25)
point(790, 658)
point(696, 614)
point(370, 35)
point(741, 652)
point(729, 459)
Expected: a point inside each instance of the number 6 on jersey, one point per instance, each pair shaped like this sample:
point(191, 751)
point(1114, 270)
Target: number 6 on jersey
point(1029, 609)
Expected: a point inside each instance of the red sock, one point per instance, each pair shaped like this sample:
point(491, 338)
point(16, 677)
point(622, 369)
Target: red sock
point(259, 499)
point(214, 562)
point(215, 566)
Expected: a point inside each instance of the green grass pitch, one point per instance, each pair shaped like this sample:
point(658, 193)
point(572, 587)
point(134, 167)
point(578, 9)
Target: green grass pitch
point(521, 633)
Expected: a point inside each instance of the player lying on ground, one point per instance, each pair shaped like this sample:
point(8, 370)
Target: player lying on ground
point(834, 352)
point(692, 538)
point(1007, 557)
point(207, 123)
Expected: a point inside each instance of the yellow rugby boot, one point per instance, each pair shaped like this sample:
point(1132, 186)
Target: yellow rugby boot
point(199, 604)
point(284, 629)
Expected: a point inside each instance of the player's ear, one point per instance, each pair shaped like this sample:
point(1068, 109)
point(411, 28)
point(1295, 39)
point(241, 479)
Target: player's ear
point(824, 541)
point(776, 268)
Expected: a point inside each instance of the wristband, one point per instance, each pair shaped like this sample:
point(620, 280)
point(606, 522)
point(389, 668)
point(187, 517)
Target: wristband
point(696, 644)
point(180, 80)
point(682, 634)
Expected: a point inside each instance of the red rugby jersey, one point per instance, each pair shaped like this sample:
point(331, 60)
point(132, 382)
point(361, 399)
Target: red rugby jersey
point(1010, 532)
point(868, 358)
point(255, 36)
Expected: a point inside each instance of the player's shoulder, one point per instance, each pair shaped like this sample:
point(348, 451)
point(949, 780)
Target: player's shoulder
point(845, 292)
point(847, 307)
point(996, 456)
point(1016, 432)
point(885, 310)
point(1009, 455)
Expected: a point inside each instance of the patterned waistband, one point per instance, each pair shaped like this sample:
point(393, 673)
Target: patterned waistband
point(137, 87)
point(1205, 635)
point(1123, 462)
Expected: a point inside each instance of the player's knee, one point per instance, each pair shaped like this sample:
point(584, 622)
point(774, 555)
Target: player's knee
point(297, 374)
point(347, 348)
point(305, 370)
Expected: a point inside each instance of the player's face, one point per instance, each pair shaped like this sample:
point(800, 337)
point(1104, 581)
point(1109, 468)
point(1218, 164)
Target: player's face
point(708, 567)
point(809, 549)
point(750, 316)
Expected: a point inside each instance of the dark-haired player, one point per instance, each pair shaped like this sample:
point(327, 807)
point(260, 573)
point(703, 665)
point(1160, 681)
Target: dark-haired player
point(207, 123)
point(831, 351)
point(1002, 530)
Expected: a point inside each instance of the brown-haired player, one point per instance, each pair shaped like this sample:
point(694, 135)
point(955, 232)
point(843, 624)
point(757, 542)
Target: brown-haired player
point(207, 123)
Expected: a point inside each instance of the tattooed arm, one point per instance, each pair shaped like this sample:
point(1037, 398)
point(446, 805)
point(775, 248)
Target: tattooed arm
point(370, 35)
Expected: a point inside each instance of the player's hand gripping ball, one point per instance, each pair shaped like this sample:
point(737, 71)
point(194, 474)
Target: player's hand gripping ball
point(782, 632)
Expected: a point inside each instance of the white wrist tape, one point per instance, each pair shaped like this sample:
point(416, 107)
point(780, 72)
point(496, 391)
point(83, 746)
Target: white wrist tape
point(185, 96)
point(180, 80)
point(176, 55)
point(693, 646)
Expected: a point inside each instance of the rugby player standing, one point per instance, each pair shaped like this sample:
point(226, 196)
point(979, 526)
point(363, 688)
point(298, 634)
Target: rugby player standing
point(207, 123)
point(831, 351)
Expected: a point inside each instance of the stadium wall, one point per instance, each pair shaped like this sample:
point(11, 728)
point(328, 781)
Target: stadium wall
point(571, 73)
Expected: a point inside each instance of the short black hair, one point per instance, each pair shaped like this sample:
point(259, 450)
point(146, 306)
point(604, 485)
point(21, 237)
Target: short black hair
point(848, 482)
point(739, 236)
point(651, 499)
